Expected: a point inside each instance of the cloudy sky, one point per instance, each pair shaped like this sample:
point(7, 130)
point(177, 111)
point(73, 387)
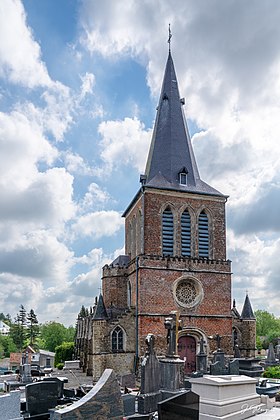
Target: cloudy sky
point(79, 86)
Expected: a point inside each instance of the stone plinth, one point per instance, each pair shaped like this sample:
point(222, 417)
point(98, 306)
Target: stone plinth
point(231, 397)
point(172, 374)
point(72, 364)
point(250, 367)
point(103, 402)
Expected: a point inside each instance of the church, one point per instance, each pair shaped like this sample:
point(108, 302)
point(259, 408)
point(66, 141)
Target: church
point(175, 259)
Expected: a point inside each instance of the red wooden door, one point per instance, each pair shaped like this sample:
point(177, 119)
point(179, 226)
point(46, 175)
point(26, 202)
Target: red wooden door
point(187, 352)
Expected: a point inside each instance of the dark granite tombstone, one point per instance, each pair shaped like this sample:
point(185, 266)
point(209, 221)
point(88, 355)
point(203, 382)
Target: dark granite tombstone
point(201, 359)
point(233, 367)
point(150, 379)
point(184, 406)
point(40, 397)
point(128, 404)
point(59, 382)
point(219, 367)
point(270, 360)
point(250, 367)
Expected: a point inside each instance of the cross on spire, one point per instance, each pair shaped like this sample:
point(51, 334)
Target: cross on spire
point(169, 36)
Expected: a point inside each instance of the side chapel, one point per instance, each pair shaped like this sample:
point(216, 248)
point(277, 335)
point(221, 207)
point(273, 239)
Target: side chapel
point(175, 259)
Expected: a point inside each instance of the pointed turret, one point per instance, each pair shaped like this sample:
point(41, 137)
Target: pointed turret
point(234, 310)
point(171, 163)
point(247, 311)
point(100, 310)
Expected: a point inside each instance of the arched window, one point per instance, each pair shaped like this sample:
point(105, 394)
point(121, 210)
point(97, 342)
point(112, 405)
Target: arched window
point(186, 234)
point(167, 232)
point(117, 339)
point(203, 235)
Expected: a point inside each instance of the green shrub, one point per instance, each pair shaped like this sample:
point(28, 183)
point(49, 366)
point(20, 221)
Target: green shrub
point(60, 366)
point(63, 352)
point(272, 372)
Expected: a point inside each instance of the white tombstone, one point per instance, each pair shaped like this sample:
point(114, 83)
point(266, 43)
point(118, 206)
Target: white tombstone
point(231, 397)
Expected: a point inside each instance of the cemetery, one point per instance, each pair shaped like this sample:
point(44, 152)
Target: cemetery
point(216, 390)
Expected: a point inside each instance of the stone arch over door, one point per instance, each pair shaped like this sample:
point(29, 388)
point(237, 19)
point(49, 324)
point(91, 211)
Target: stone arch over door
point(189, 345)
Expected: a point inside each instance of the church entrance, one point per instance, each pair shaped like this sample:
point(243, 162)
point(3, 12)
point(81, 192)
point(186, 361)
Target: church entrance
point(187, 352)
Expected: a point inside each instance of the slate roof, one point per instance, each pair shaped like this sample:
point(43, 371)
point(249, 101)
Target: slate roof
point(171, 150)
point(247, 311)
point(100, 310)
point(121, 261)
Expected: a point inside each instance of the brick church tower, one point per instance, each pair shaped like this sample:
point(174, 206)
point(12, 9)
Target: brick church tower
point(175, 259)
point(175, 242)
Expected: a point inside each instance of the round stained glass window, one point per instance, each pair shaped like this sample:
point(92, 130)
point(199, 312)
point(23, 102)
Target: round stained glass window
point(188, 292)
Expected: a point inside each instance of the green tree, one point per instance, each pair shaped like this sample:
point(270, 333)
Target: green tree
point(266, 322)
point(267, 328)
point(7, 345)
point(52, 335)
point(63, 352)
point(32, 328)
point(18, 329)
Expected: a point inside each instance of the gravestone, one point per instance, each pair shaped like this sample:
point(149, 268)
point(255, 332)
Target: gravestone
point(150, 379)
point(10, 406)
point(250, 367)
point(270, 360)
point(59, 383)
point(26, 373)
point(184, 406)
point(171, 366)
point(103, 402)
point(201, 358)
point(128, 404)
point(40, 397)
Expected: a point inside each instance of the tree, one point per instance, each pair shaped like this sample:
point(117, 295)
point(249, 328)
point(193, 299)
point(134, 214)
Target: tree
point(32, 327)
point(63, 352)
point(266, 322)
point(7, 345)
point(267, 327)
point(53, 334)
point(18, 329)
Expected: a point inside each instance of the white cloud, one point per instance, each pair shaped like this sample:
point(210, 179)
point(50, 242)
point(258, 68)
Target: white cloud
point(124, 142)
point(22, 145)
point(88, 81)
point(98, 224)
point(94, 198)
point(21, 65)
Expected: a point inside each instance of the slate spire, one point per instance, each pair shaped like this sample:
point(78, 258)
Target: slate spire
point(100, 310)
point(247, 311)
point(171, 151)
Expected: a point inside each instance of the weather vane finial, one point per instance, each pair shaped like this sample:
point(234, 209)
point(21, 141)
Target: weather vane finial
point(169, 36)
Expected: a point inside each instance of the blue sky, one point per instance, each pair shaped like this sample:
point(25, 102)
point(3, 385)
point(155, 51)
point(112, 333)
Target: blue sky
point(79, 87)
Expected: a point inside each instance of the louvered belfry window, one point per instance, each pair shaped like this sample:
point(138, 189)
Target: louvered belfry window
point(203, 235)
point(186, 234)
point(167, 232)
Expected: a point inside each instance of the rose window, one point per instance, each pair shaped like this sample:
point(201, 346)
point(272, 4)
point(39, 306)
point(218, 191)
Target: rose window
point(188, 292)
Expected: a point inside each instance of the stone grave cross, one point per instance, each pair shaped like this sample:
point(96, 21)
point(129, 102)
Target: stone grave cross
point(172, 324)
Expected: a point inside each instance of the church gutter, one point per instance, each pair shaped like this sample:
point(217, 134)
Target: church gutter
point(136, 318)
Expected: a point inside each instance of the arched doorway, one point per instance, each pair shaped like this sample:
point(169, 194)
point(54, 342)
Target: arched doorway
point(187, 352)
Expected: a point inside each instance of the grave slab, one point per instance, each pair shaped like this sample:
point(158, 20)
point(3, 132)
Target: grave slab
point(231, 397)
